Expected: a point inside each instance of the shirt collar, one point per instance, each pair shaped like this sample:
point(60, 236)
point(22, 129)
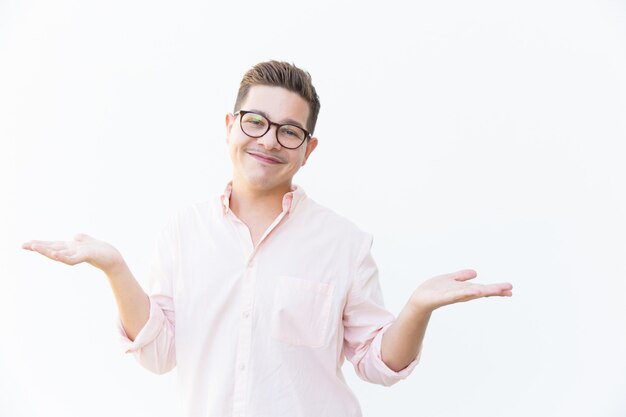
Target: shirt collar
point(290, 200)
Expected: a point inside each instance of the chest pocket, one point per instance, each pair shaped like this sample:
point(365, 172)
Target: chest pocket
point(301, 311)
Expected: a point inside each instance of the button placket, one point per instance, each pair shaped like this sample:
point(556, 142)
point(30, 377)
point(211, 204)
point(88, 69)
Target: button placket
point(247, 302)
point(245, 341)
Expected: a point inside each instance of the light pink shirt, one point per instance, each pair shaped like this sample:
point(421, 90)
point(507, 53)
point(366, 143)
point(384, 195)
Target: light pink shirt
point(263, 331)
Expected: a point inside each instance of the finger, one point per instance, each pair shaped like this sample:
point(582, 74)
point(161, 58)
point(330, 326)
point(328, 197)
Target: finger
point(43, 250)
point(502, 294)
point(81, 237)
point(49, 249)
point(39, 246)
point(463, 275)
point(467, 294)
point(47, 243)
point(496, 289)
point(29, 245)
point(503, 286)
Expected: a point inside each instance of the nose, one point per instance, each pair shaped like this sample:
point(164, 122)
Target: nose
point(268, 140)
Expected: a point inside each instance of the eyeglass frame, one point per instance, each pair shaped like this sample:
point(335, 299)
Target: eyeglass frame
point(242, 113)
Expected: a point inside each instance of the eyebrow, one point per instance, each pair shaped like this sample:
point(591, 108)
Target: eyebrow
point(284, 121)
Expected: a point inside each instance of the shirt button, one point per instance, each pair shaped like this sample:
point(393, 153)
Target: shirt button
point(242, 366)
point(246, 314)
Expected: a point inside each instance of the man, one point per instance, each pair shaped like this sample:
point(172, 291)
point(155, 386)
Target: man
point(259, 295)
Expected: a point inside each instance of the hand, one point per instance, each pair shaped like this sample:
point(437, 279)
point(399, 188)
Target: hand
point(454, 288)
point(82, 249)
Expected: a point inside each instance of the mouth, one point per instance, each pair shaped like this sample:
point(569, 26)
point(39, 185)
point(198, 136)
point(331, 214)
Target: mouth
point(263, 157)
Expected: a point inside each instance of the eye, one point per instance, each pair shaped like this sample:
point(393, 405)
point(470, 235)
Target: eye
point(289, 132)
point(292, 131)
point(254, 120)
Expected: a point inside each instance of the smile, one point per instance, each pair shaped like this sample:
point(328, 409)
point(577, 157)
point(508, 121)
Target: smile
point(268, 159)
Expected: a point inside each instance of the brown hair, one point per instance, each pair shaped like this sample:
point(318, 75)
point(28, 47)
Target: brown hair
point(285, 75)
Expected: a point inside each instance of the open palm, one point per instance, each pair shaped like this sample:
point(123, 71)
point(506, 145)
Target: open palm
point(82, 249)
point(455, 288)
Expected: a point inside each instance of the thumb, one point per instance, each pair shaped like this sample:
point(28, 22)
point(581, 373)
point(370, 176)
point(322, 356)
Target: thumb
point(463, 275)
point(81, 237)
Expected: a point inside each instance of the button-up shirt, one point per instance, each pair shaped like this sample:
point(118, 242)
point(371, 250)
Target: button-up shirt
point(262, 331)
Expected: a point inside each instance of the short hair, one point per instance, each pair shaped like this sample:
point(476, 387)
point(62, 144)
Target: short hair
point(285, 75)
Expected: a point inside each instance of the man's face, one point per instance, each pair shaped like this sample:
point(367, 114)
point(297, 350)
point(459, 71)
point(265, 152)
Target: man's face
point(262, 163)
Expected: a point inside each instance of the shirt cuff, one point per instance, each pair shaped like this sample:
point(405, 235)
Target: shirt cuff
point(389, 374)
point(147, 334)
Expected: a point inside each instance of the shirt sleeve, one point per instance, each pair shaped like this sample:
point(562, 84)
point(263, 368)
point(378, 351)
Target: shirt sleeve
point(365, 321)
point(154, 347)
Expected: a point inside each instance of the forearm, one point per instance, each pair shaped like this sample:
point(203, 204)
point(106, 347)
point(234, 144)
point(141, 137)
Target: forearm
point(132, 301)
point(403, 339)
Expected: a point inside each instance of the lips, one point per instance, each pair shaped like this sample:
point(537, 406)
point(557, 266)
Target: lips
point(263, 157)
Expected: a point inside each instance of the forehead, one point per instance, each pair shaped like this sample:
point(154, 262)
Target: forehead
point(279, 104)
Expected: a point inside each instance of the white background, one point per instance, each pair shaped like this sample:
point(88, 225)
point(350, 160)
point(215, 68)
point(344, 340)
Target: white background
point(483, 134)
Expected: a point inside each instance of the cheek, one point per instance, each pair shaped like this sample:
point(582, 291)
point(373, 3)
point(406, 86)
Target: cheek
point(298, 160)
point(236, 141)
point(234, 147)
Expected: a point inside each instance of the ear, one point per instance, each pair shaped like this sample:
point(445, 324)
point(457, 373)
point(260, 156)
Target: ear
point(229, 120)
point(310, 147)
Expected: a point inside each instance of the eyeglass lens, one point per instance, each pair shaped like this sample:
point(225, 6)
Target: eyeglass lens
point(256, 125)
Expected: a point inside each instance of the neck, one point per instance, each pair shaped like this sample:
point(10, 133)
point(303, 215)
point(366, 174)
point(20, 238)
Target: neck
point(246, 200)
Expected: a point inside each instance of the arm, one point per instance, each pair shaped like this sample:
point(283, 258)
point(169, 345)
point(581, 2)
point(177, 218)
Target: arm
point(132, 302)
point(365, 321)
point(403, 340)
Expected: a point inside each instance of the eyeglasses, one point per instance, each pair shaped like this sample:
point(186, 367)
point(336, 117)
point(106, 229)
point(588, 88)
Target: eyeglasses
point(256, 125)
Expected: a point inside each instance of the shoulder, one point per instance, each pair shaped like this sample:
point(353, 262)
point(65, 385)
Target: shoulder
point(190, 216)
point(331, 223)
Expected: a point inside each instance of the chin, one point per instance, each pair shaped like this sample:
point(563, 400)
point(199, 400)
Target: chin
point(261, 182)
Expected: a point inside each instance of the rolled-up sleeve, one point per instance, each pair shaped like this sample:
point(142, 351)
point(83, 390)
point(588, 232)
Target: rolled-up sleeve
point(154, 347)
point(365, 321)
